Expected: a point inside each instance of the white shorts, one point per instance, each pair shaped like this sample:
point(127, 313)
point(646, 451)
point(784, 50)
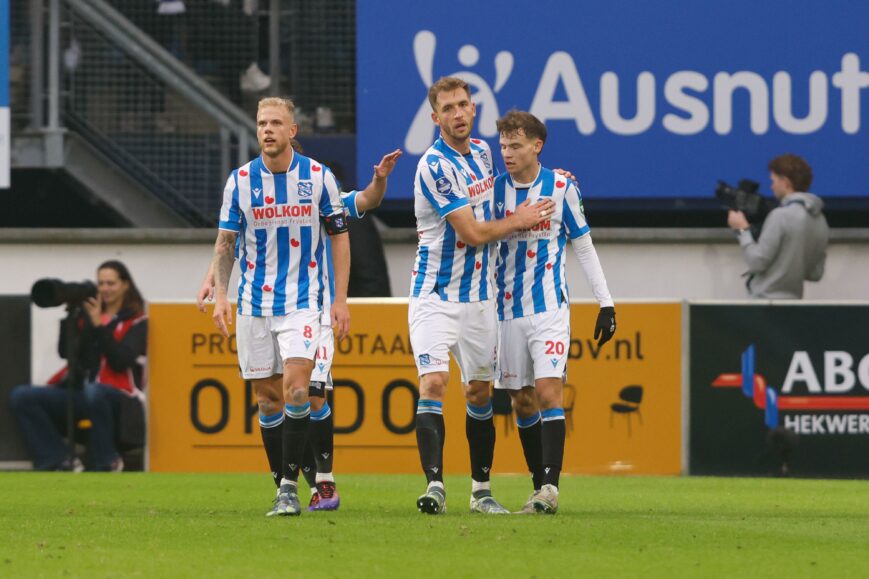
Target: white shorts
point(265, 342)
point(323, 359)
point(533, 347)
point(468, 330)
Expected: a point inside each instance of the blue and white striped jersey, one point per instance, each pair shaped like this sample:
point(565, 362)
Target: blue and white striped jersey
point(446, 181)
point(529, 273)
point(277, 217)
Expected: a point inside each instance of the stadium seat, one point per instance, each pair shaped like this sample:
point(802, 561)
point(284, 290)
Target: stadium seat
point(630, 398)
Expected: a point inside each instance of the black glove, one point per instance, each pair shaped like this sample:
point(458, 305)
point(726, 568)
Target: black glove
point(605, 326)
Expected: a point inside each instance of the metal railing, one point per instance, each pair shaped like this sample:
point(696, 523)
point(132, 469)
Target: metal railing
point(136, 103)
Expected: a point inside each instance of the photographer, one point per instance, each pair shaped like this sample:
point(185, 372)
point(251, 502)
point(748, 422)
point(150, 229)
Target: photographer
point(113, 337)
point(792, 246)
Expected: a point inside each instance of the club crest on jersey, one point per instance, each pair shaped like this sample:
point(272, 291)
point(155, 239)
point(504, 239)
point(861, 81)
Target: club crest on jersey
point(443, 185)
point(306, 188)
point(485, 157)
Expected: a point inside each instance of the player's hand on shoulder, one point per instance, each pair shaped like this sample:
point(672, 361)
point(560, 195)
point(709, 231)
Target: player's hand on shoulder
point(387, 164)
point(605, 326)
point(567, 174)
point(529, 215)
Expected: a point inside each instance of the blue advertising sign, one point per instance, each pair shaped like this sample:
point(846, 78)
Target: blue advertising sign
point(641, 99)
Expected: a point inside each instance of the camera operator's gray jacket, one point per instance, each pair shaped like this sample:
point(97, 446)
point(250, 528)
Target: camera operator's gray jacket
point(792, 247)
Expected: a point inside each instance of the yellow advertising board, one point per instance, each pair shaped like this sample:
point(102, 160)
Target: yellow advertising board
point(622, 401)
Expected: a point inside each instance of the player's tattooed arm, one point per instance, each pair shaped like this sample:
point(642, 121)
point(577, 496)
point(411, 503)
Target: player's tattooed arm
point(370, 197)
point(224, 252)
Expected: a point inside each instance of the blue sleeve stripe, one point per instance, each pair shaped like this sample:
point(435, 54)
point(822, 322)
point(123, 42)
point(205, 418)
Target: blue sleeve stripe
point(234, 210)
point(352, 208)
point(230, 226)
point(427, 194)
point(447, 209)
point(580, 232)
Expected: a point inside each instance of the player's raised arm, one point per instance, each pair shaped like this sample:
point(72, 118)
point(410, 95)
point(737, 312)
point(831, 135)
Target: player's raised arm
point(371, 197)
point(224, 258)
point(334, 221)
point(474, 232)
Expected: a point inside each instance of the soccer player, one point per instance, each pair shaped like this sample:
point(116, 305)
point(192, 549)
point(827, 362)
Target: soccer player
point(451, 305)
point(278, 203)
point(324, 496)
point(533, 304)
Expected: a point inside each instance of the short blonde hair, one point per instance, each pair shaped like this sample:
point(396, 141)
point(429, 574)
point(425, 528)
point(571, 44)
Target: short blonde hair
point(288, 104)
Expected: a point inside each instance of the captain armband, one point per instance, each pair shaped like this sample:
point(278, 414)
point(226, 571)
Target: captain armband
point(335, 224)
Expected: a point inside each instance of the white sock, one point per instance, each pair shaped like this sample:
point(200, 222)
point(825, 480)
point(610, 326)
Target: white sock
point(286, 481)
point(436, 483)
point(325, 477)
point(313, 490)
point(480, 486)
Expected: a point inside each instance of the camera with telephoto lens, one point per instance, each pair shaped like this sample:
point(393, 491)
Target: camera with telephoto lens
point(744, 197)
point(49, 292)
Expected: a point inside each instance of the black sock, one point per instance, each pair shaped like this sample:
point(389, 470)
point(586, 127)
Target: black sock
point(553, 445)
point(430, 436)
point(532, 446)
point(309, 465)
point(322, 438)
point(480, 429)
point(296, 423)
point(272, 430)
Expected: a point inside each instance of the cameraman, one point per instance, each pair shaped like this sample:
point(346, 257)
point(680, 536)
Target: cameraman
point(113, 337)
point(792, 246)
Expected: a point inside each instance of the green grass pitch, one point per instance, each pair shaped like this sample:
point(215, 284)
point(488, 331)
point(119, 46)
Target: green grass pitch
point(206, 525)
